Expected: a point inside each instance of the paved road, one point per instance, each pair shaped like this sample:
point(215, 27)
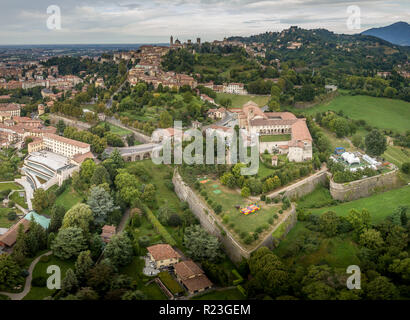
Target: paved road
point(27, 285)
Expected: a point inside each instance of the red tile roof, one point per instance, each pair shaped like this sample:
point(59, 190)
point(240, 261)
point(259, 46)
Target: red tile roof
point(187, 269)
point(163, 252)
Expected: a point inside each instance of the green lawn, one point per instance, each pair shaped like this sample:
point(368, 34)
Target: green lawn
point(19, 200)
point(10, 186)
point(118, 130)
point(134, 270)
point(40, 270)
point(229, 294)
point(240, 100)
point(382, 113)
point(275, 137)
point(4, 221)
point(318, 198)
point(69, 198)
point(379, 205)
point(229, 199)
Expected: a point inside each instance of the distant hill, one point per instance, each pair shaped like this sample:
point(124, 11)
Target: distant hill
point(397, 33)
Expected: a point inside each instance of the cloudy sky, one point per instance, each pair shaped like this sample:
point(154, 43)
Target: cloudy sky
point(153, 21)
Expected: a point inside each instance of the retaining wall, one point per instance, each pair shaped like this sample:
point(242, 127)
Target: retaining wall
point(354, 190)
point(301, 188)
point(54, 118)
point(232, 247)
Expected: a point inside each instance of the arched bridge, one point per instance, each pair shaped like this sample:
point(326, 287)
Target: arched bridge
point(137, 153)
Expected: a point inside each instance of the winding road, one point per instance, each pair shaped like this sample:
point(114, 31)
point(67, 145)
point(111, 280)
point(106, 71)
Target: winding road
point(27, 285)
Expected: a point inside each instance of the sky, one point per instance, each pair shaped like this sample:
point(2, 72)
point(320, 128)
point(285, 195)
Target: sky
point(145, 21)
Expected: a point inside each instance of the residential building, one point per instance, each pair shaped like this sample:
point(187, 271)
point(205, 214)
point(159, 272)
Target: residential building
point(191, 276)
point(163, 255)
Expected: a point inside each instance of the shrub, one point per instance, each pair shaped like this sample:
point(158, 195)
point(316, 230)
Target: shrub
point(280, 211)
point(11, 216)
point(268, 200)
point(218, 209)
point(263, 197)
point(248, 239)
point(270, 220)
point(406, 167)
point(144, 241)
point(174, 220)
point(169, 185)
point(158, 226)
point(275, 216)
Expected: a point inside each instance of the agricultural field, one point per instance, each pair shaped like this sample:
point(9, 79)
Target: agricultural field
point(379, 205)
point(397, 155)
point(382, 113)
point(240, 100)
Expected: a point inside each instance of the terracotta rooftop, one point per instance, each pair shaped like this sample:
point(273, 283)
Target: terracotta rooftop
point(66, 140)
point(162, 252)
point(197, 283)
point(271, 122)
point(282, 115)
point(10, 237)
point(187, 269)
point(300, 131)
point(80, 157)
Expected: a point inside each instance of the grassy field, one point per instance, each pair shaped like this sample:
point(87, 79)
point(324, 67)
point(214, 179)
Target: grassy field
point(19, 200)
point(118, 130)
point(40, 270)
point(4, 221)
point(240, 100)
point(397, 155)
point(229, 294)
point(379, 205)
point(275, 137)
point(10, 186)
point(232, 217)
point(382, 113)
point(69, 198)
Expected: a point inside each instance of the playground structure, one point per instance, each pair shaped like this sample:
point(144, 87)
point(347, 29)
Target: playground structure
point(250, 209)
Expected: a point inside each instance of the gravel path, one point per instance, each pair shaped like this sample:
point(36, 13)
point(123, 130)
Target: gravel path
point(27, 286)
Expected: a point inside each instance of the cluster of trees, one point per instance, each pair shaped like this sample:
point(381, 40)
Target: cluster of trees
point(160, 106)
point(9, 163)
point(396, 87)
point(382, 253)
point(97, 143)
point(341, 174)
point(342, 126)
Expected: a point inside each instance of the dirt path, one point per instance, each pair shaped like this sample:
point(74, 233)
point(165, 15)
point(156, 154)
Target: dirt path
point(27, 285)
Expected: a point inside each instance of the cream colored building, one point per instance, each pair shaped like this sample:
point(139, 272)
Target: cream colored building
point(163, 255)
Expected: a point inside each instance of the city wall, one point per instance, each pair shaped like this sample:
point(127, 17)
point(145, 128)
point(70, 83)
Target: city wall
point(354, 190)
point(54, 118)
point(233, 249)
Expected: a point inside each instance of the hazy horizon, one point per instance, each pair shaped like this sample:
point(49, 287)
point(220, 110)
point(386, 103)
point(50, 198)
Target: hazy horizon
point(103, 22)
